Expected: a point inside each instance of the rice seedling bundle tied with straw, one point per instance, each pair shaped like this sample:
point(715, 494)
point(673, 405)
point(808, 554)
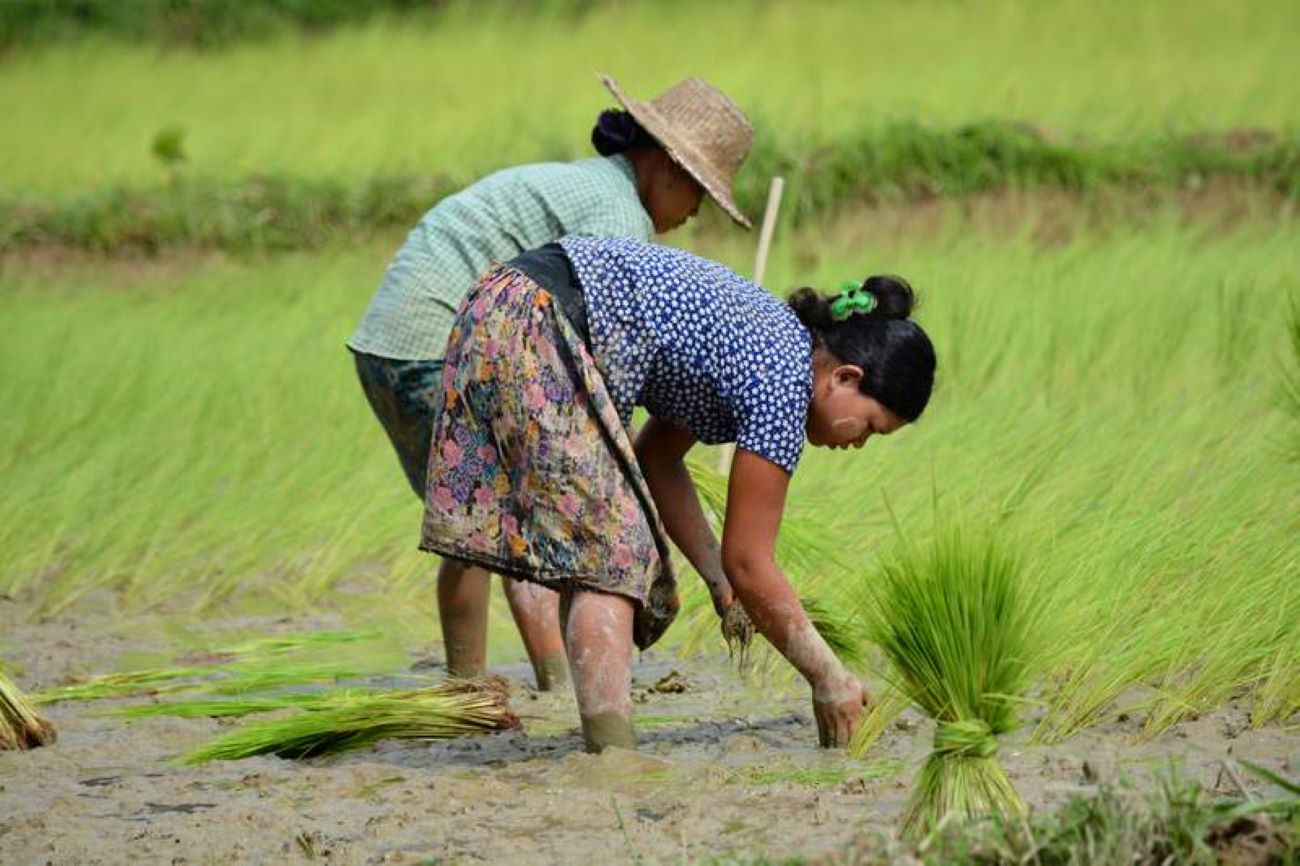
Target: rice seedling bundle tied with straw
point(954, 622)
point(21, 727)
point(352, 719)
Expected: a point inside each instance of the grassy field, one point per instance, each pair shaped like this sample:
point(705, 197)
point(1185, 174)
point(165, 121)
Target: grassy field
point(1111, 404)
point(479, 88)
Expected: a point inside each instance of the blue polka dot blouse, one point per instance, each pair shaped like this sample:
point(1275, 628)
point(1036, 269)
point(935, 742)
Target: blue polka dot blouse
point(696, 345)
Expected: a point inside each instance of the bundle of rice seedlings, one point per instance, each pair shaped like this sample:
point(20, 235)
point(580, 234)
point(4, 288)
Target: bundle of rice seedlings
point(150, 681)
point(954, 623)
point(21, 727)
point(254, 665)
point(351, 719)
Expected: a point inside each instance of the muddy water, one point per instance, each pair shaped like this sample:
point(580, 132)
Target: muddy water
point(724, 767)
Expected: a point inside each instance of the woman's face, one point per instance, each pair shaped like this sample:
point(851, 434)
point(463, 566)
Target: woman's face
point(841, 416)
point(672, 196)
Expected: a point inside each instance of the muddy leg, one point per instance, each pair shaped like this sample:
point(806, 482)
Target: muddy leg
point(537, 613)
point(598, 635)
point(462, 609)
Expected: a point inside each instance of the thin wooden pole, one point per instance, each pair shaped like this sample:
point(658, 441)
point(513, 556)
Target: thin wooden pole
point(760, 269)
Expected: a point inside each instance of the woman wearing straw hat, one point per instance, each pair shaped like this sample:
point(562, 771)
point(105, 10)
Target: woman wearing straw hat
point(533, 474)
point(658, 159)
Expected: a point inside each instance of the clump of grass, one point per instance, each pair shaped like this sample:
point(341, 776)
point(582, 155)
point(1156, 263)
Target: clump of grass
point(954, 623)
point(21, 727)
point(350, 719)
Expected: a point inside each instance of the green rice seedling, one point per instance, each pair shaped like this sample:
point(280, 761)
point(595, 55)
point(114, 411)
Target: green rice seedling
point(229, 703)
point(954, 621)
point(21, 727)
point(216, 708)
point(249, 666)
point(350, 719)
point(153, 681)
point(887, 707)
point(302, 641)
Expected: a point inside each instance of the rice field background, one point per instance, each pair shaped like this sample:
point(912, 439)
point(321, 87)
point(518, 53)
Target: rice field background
point(483, 86)
point(185, 455)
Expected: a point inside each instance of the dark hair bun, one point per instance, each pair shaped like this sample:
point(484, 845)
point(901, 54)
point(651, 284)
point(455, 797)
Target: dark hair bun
point(894, 297)
point(618, 131)
point(811, 308)
point(894, 300)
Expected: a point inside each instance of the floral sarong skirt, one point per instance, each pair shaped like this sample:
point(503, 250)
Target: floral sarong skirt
point(531, 473)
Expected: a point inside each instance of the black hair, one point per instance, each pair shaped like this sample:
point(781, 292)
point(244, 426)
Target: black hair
point(896, 356)
point(618, 131)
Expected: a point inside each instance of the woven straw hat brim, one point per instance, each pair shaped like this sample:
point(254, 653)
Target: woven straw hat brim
point(681, 151)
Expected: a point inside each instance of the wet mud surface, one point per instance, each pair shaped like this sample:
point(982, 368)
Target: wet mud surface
point(726, 767)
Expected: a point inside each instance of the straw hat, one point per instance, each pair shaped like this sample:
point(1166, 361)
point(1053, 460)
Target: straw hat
point(701, 129)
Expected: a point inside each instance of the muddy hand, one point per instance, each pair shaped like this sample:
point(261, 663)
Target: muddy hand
point(837, 706)
point(737, 629)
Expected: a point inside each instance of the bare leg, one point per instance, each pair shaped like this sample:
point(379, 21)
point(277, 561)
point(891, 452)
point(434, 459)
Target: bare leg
point(463, 608)
point(537, 613)
point(598, 636)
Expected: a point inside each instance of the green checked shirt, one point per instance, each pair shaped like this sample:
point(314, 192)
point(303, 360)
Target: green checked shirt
point(500, 216)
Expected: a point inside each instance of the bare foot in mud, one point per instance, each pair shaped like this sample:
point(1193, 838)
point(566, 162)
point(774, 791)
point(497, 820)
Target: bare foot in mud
point(603, 730)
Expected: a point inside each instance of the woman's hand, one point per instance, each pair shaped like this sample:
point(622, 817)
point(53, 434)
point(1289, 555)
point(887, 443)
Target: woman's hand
point(837, 705)
point(737, 628)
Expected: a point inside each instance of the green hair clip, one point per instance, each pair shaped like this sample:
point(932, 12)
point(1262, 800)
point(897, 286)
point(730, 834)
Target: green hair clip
point(853, 299)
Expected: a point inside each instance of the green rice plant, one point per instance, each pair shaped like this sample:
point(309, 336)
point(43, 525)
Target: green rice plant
point(21, 727)
point(217, 708)
point(887, 707)
point(1291, 376)
point(954, 620)
point(349, 719)
point(152, 681)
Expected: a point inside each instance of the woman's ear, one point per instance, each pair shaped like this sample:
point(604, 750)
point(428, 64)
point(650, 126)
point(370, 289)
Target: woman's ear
point(848, 375)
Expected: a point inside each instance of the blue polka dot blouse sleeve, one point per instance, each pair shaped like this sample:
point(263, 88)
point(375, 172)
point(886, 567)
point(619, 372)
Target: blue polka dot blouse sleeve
point(772, 407)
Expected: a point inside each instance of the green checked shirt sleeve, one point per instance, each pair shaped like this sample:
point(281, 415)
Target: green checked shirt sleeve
point(502, 215)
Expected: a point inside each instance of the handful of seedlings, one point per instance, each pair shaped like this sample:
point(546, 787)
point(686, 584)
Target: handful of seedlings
point(21, 727)
point(352, 719)
point(954, 622)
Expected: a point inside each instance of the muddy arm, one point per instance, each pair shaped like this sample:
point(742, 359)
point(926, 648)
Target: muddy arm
point(755, 501)
point(660, 449)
